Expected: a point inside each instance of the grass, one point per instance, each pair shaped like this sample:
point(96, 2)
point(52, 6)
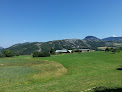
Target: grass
point(27, 71)
point(61, 73)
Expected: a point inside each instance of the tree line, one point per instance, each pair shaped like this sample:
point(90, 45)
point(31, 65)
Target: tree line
point(8, 53)
point(113, 50)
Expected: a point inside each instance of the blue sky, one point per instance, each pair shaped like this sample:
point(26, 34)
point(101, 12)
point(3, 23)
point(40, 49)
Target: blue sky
point(45, 20)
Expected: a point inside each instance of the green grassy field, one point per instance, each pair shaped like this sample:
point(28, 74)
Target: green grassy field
point(61, 73)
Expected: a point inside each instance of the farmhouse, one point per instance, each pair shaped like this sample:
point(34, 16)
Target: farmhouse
point(63, 51)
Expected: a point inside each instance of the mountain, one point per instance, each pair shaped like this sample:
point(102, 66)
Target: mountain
point(92, 38)
point(113, 39)
point(24, 48)
point(1, 47)
point(88, 42)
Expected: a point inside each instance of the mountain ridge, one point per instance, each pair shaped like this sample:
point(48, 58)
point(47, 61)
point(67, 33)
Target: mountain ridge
point(115, 39)
point(1, 47)
point(89, 42)
point(92, 38)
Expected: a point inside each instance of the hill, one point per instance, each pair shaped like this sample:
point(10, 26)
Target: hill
point(88, 42)
point(1, 47)
point(92, 38)
point(113, 39)
point(25, 48)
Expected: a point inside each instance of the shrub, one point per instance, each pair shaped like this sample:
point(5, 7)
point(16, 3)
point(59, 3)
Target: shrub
point(36, 54)
point(8, 53)
point(16, 54)
point(118, 50)
point(39, 54)
point(107, 49)
point(2, 55)
point(113, 51)
point(44, 54)
point(52, 51)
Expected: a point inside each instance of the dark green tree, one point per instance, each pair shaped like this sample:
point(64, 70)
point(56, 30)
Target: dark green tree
point(107, 49)
point(36, 54)
point(52, 51)
point(16, 54)
point(113, 51)
point(1, 55)
point(44, 54)
point(41, 54)
point(8, 53)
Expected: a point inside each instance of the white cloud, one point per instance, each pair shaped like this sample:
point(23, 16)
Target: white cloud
point(115, 36)
point(24, 40)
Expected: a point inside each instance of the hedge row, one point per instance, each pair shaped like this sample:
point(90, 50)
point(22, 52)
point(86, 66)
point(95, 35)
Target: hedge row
point(41, 54)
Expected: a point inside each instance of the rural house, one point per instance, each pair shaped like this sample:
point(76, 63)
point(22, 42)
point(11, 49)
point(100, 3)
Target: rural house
point(63, 51)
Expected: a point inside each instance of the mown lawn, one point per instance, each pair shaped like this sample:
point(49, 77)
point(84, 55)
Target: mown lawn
point(80, 72)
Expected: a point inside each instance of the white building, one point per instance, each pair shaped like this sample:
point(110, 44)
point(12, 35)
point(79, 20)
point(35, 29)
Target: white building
point(70, 51)
point(63, 51)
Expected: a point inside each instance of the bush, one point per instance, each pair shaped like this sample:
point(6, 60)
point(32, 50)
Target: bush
point(8, 53)
point(16, 54)
point(2, 55)
point(39, 54)
point(44, 54)
point(52, 51)
point(107, 49)
point(113, 50)
point(36, 54)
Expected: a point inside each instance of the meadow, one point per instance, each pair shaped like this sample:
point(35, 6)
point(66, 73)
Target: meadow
point(78, 72)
